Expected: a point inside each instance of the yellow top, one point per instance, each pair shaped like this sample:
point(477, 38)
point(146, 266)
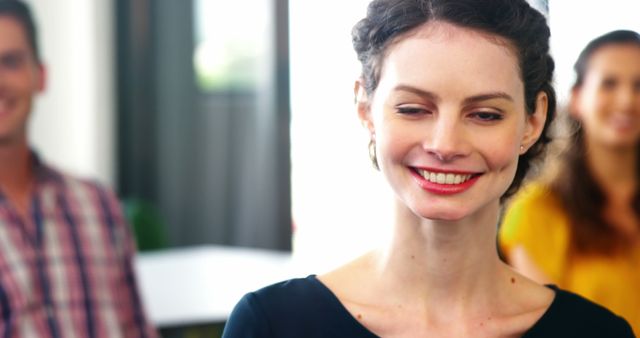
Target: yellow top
point(536, 221)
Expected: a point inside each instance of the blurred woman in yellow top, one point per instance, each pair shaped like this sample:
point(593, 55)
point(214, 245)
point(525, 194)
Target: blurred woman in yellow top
point(580, 227)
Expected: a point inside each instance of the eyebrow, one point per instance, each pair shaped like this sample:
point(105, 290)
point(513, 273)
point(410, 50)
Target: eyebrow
point(423, 93)
point(488, 96)
point(469, 100)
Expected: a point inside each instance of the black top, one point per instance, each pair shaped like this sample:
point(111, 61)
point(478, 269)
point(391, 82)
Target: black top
point(304, 307)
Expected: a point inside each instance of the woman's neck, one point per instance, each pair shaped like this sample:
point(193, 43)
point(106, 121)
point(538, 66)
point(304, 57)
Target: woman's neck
point(444, 263)
point(615, 169)
point(442, 278)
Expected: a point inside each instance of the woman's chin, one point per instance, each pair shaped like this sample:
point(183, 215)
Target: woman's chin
point(443, 215)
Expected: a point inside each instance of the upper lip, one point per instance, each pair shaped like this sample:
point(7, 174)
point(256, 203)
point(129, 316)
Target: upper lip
point(447, 171)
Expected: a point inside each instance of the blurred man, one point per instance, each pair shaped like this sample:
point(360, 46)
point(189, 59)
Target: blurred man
point(65, 248)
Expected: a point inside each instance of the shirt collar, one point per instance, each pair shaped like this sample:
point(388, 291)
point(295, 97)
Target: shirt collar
point(44, 173)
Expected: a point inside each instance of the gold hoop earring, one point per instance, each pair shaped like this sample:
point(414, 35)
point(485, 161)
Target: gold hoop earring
point(372, 154)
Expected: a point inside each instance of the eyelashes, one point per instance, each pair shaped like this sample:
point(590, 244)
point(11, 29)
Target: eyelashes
point(412, 111)
point(481, 116)
point(488, 116)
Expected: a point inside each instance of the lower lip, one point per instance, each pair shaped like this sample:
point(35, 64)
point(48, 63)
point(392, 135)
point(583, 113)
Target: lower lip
point(444, 189)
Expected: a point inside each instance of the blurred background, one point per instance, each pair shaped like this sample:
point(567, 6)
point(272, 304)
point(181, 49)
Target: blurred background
point(228, 130)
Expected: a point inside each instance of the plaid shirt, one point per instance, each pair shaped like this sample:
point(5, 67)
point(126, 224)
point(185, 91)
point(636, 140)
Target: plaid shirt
point(66, 271)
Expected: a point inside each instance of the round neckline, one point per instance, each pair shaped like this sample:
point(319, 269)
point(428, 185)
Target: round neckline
point(343, 310)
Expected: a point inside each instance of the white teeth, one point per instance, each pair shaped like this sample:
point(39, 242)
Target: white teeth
point(443, 178)
point(450, 179)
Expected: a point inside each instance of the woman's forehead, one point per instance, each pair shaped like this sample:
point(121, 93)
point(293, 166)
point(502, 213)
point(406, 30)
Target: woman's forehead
point(615, 56)
point(441, 54)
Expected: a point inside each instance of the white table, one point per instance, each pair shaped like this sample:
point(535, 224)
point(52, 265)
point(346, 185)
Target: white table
point(197, 285)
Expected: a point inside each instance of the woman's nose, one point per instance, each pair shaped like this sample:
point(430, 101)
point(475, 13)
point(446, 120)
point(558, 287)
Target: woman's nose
point(628, 99)
point(446, 140)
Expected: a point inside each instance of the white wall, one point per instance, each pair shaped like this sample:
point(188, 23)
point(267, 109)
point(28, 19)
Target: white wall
point(341, 205)
point(72, 124)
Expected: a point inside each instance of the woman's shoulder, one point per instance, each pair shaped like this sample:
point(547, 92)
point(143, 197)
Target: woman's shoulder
point(571, 315)
point(291, 308)
point(536, 194)
point(261, 313)
point(534, 212)
point(281, 299)
point(535, 209)
point(290, 294)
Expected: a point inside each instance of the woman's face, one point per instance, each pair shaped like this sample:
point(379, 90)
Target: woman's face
point(449, 120)
point(608, 102)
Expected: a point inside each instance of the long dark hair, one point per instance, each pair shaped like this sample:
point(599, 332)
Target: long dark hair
point(582, 197)
point(515, 21)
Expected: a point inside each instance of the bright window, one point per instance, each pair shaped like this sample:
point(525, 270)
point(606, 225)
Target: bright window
point(338, 199)
point(228, 53)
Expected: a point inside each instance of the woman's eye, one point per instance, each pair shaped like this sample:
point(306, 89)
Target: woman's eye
point(487, 116)
point(609, 83)
point(411, 110)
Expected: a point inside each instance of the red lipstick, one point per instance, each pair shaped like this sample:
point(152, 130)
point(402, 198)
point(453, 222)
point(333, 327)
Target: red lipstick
point(444, 189)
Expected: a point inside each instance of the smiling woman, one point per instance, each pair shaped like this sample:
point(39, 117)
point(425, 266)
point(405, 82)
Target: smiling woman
point(589, 207)
point(456, 99)
point(470, 125)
